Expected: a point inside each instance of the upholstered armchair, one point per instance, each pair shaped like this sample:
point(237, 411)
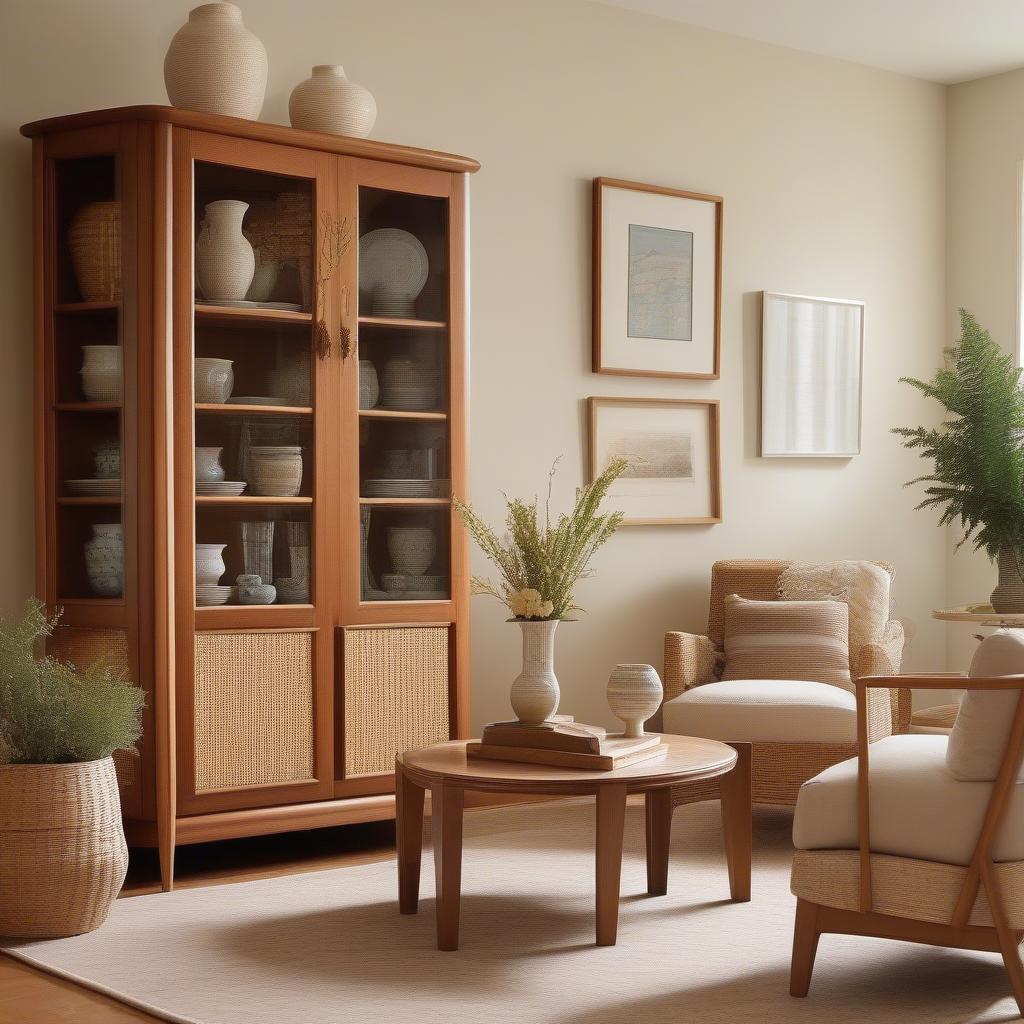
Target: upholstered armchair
point(797, 728)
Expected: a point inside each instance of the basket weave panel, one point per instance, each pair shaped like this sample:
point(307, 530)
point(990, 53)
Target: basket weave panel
point(253, 709)
point(921, 890)
point(63, 856)
point(82, 647)
point(396, 694)
point(94, 241)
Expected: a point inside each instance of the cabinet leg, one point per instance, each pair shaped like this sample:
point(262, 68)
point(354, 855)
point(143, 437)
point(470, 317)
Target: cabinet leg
point(611, 820)
point(446, 803)
point(658, 806)
point(737, 811)
point(408, 839)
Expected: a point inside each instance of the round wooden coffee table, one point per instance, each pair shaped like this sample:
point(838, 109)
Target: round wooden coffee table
point(445, 771)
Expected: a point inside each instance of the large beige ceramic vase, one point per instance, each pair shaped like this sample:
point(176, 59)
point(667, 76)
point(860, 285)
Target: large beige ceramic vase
point(216, 65)
point(63, 856)
point(330, 102)
point(225, 261)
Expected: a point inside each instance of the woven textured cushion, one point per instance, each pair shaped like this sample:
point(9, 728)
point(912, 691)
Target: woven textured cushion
point(982, 727)
point(917, 808)
point(805, 640)
point(764, 711)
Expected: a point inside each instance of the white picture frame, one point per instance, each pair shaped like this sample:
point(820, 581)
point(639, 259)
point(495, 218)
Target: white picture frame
point(812, 362)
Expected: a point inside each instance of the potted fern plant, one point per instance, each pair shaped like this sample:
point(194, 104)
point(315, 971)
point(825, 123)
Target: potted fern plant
point(977, 454)
point(63, 856)
point(540, 562)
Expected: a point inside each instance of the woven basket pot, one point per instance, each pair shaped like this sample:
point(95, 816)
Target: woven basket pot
point(63, 856)
point(94, 241)
point(1008, 597)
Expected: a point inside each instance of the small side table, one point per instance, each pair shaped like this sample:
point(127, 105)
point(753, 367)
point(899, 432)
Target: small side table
point(445, 771)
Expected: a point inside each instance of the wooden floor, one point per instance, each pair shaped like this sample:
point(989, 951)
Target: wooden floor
point(29, 996)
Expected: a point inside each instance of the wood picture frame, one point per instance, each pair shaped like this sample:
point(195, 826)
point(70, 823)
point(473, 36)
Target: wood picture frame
point(686, 487)
point(812, 376)
point(670, 334)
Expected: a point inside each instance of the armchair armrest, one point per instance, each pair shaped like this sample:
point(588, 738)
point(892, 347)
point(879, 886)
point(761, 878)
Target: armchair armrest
point(689, 661)
point(882, 658)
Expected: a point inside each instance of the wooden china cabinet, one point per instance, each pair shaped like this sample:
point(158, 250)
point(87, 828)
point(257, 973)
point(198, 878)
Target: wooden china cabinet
point(260, 717)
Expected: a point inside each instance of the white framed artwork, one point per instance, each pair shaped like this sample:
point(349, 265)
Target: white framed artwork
point(812, 354)
point(674, 476)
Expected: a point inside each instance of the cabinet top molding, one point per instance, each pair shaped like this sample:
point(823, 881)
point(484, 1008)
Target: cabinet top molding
point(259, 131)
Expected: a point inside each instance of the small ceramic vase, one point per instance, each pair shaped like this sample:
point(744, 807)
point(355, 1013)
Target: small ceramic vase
point(101, 373)
point(369, 386)
point(252, 590)
point(225, 261)
point(634, 694)
point(264, 278)
point(209, 564)
point(208, 467)
point(275, 470)
point(329, 102)
point(411, 549)
point(215, 64)
point(535, 693)
point(104, 560)
point(215, 380)
point(107, 461)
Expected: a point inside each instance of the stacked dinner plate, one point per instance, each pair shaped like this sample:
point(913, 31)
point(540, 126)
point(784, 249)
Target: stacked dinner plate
point(208, 595)
point(406, 488)
point(220, 488)
point(94, 488)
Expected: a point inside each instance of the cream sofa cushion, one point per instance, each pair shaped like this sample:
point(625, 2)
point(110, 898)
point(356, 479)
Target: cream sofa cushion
point(764, 711)
point(982, 727)
point(787, 640)
point(917, 808)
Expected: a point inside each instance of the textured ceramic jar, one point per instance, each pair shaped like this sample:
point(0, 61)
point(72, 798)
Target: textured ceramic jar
point(101, 373)
point(535, 693)
point(329, 102)
point(411, 549)
point(275, 470)
point(94, 242)
point(104, 560)
point(209, 564)
point(408, 385)
point(252, 590)
point(216, 65)
point(369, 386)
point(208, 467)
point(225, 260)
point(634, 694)
point(106, 459)
point(215, 380)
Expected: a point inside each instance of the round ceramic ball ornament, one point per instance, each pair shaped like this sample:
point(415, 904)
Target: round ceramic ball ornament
point(634, 694)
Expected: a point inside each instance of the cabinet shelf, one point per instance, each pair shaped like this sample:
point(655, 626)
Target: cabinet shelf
point(252, 314)
point(206, 500)
point(88, 406)
point(86, 307)
point(399, 414)
point(402, 323)
point(254, 410)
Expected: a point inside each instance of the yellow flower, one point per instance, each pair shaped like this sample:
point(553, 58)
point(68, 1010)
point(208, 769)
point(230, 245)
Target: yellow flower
point(528, 604)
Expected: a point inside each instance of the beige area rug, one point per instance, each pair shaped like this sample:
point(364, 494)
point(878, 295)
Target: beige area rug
point(330, 946)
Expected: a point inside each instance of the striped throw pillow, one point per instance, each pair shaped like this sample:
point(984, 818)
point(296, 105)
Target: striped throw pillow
point(806, 640)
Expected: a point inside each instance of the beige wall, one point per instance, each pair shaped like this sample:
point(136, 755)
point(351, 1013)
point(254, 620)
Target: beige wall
point(986, 146)
point(833, 178)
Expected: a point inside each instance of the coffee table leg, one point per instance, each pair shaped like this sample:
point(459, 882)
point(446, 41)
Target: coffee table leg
point(659, 834)
point(611, 819)
point(409, 839)
point(446, 812)
point(736, 823)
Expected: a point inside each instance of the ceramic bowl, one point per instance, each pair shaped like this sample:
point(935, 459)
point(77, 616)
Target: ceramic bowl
point(214, 380)
point(275, 470)
point(411, 549)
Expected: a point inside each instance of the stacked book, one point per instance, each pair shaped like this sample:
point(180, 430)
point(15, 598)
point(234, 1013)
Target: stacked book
point(564, 743)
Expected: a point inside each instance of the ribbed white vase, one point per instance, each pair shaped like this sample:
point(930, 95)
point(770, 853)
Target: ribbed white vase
point(634, 694)
point(330, 102)
point(535, 690)
point(216, 65)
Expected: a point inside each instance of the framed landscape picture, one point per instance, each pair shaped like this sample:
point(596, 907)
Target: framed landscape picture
point(811, 361)
point(673, 444)
point(657, 281)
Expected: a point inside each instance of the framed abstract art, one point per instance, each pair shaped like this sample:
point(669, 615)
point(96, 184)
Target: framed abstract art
point(657, 281)
point(674, 476)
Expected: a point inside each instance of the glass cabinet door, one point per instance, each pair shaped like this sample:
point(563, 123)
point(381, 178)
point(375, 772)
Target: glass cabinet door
point(255, 478)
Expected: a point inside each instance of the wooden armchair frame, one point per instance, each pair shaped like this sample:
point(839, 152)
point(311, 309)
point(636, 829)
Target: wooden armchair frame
point(814, 920)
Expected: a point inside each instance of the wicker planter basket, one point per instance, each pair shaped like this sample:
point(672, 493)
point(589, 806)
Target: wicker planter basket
point(63, 856)
point(94, 240)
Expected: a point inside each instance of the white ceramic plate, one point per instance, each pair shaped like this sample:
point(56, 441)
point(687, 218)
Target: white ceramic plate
point(220, 488)
point(249, 304)
point(94, 488)
point(393, 260)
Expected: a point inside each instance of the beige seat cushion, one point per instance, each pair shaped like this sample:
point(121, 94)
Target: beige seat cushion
point(764, 711)
point(982, 727)
point(787, 640)
point(917, 808)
